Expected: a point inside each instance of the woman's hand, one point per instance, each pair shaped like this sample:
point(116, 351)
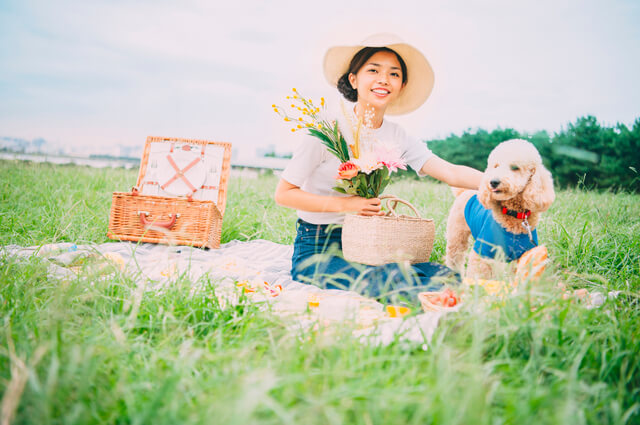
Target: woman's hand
point(363, 206)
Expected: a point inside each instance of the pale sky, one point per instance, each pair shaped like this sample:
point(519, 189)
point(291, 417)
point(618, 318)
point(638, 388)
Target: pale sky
point(96, 74)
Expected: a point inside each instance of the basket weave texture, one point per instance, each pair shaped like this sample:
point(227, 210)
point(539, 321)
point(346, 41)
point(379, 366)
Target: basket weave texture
point(378, 240)
point(170, 220)
point(198, 223)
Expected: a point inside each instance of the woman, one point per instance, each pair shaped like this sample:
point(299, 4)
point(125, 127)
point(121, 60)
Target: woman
point(382, 76)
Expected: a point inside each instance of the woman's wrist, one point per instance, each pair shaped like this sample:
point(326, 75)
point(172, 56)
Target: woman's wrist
point(342, 203)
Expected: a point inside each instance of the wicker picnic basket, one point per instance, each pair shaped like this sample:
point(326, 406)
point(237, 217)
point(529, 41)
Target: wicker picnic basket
point(392, 238)
point(179, 197)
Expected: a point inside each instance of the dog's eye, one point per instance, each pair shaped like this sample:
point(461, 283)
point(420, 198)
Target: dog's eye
point(515, 167)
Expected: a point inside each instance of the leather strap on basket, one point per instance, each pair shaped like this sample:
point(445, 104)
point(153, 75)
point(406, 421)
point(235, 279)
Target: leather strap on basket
point(392, 212)
point(168, 224)
point(180, 173)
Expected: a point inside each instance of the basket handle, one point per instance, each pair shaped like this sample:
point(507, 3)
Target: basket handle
point(390, 198)
point(168, 224)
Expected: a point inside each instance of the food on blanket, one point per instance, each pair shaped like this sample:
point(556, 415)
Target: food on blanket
point(253, 285)
point(397, 311)
point(447, 298)
point(437, 301)
point(313, 300)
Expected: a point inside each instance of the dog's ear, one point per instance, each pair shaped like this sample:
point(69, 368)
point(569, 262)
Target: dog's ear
point(539, 193)
point(484, 196)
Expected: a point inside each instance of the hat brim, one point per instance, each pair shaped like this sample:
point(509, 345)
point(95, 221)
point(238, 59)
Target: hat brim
point(420, 78)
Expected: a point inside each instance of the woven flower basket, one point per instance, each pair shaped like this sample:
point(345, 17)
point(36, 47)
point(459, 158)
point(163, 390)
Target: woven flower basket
point(387, 239)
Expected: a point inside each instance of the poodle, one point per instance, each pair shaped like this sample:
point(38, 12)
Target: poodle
point(503, 214)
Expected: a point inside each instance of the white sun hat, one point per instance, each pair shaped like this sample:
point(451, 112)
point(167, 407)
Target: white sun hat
point(419, 72)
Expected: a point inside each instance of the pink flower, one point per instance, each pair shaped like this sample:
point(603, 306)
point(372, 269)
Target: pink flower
point(368, 162)
point(347, 170)
point(394, 165)
point(390, 158)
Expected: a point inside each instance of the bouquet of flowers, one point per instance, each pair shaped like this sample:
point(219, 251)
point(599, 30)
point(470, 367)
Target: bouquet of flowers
point(363, 171)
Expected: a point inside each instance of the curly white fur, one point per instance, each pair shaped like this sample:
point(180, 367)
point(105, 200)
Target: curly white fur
point(516, 179)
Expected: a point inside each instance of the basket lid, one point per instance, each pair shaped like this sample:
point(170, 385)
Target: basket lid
point(180, 164)
point(181, 172)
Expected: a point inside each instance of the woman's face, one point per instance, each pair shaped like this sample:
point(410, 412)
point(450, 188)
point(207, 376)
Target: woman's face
point(379, 80)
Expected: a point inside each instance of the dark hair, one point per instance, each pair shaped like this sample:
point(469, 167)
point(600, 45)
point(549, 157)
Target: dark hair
point(357, 62)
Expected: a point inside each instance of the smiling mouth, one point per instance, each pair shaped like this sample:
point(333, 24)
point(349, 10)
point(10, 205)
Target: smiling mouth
point(381, 92)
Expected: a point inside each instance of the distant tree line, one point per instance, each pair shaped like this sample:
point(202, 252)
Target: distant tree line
point(272, 154)
point(114, 157)
point(585, 153)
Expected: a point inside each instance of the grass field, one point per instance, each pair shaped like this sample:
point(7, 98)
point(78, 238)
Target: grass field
point(84, 357)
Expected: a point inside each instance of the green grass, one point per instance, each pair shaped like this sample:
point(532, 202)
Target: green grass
point(93, 354)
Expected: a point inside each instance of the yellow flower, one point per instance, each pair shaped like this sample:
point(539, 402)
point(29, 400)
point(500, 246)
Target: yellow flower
point(299, 126)
point(286, 119)
point(322, 101)
point(300, 119)
point(294, 89)
point(293, 129)
point(273, 106)
point(293, 106)
point(319, 125)
point(275, 109)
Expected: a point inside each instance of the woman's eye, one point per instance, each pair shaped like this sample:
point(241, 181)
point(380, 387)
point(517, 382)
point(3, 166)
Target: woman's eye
point(515, 167)
point(395, 74)
point(373, 70)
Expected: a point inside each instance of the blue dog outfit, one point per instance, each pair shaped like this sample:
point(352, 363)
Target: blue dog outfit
point(491, 237)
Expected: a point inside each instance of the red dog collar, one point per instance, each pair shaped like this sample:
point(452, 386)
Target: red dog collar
point(516, 214)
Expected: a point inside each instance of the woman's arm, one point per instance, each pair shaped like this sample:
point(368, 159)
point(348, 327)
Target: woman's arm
point(453, 175)
point(290, 195)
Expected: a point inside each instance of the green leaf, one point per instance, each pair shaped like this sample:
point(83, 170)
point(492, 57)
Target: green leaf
point(319, 134)
point(345, 148)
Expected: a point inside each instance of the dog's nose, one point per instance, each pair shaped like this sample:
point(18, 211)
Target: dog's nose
point(494, 183)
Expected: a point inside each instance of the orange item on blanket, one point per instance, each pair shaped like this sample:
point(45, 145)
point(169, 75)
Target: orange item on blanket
point(532, 261)
point(397, 311)
point(313, 300)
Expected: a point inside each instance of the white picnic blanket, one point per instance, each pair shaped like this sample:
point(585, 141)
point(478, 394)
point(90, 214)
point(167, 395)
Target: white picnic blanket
point(259, 268)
